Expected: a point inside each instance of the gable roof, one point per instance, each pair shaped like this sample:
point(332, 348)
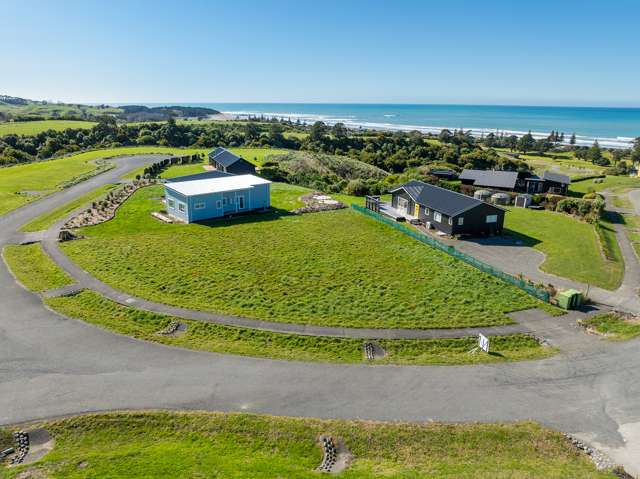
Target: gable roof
point(198, 176)
point(440, 199)
point(557, 177)
point(224, 156)
point(491, 178)
point(216, 185)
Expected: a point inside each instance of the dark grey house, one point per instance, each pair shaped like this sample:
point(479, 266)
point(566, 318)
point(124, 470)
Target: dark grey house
point(223, 160)
point(549, 182)
point(494, 179)
point(447, 211)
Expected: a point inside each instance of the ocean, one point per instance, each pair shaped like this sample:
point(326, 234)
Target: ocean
point(612, 127)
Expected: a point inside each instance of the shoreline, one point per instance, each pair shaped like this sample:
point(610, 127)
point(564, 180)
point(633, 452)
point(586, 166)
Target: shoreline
point(350, 121)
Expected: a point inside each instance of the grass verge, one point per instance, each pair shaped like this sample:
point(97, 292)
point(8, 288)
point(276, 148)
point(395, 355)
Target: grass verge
point(24, 183)
point(33, 267)
point(95, 309)
point(198, 444)
point(335, 268)
point(613, 326)
point(572, 247)
point(46, 220)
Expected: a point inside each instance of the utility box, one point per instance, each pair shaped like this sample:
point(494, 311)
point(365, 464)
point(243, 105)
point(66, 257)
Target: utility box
point(570, 299)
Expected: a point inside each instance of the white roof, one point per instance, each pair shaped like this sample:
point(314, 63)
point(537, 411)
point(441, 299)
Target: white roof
point(216, 185)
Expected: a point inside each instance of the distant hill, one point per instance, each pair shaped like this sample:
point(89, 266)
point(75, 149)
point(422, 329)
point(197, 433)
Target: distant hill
point(22, 109)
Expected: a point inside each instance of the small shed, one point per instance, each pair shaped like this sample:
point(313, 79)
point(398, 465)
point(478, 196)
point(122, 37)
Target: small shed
point(523, 201)
point(482, 195)
point(570, 299)
point(500, 199)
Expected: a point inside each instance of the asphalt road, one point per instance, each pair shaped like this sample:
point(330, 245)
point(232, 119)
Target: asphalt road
point(52, 366)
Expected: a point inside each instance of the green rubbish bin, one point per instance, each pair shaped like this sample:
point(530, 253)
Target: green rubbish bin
point(570, 299)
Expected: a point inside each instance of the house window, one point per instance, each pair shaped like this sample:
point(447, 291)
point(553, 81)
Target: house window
point(171, 203)
point(437, 217)
point(218, 204)
point(182, 207)
point(492, 218)
point(461, 221)
point(199, 206)
point(224, 201)
point(426, 211)
point(450, 220)
point(240, 202)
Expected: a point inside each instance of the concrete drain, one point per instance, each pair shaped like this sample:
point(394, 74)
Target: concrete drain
point(335, 458)
point(31, 446)
point(173, 328)
point(373, 351)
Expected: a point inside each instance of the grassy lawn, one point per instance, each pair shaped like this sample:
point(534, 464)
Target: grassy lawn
point(33, 267)
point(334, 268)
point(35, 127)
point(254, 155)
point(562, 162)
point(613, 326)
point(216, 445)
point(572, 247)
point(24, 183)
point(93, 308)
point(613, 183)
point(46, 220)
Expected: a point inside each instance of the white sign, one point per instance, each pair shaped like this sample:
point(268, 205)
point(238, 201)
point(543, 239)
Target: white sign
point(483, 342)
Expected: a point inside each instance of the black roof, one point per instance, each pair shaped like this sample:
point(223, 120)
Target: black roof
point(556, 177)
point(223, 156)
point(199, 176)
point(440, 199)
point(491, 178)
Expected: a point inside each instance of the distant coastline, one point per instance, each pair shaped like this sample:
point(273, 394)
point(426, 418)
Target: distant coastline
point(612, 127)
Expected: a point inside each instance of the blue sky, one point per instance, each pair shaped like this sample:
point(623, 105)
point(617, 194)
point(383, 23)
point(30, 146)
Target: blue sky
point(492, 52)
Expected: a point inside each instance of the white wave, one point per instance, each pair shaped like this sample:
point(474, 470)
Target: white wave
point(352, 122)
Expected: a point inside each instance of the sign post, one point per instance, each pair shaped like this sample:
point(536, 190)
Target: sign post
point(483, 342)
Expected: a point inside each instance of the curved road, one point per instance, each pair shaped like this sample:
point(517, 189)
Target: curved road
point(51, 366)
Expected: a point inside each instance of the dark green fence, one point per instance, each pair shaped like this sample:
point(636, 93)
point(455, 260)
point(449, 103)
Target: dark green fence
point(450, 250)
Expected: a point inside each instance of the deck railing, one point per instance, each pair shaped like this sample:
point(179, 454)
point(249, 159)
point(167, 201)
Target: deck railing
point(539, 293)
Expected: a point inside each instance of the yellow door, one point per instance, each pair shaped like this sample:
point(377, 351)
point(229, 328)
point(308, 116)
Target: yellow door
point(416, 212)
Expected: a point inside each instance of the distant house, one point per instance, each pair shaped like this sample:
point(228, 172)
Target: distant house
point(223, 160)
point(192, 199)
point(443, 173)
point(445, 210)
point(497, 180)
point(549, 182)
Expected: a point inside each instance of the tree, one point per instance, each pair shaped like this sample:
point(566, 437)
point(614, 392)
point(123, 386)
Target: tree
point(526, 143)
point(594, 155)
point(512, 142)
point(317, 131)
point(635, 153)
point(339, 131)
point(445, 136)
point(572, 141)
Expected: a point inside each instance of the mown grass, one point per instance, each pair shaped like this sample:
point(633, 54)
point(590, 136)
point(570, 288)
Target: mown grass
point(571, 247)
point(561, 162)
point(613, 326)
point(334, 268)
point(612, 183)
point(216, 445)
point(35, 127)
point(95, 309)
point(24, 183)
point(33, 267)
point(46, 220)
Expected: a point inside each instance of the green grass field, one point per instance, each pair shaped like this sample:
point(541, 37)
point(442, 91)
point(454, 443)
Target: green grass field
point(612, 183)
point(33, 267)
point(93, 308)
point(247, 446)
point(46, 220)
point(572, 247)
point(35, 127)
point(335, 268)
point(24, 183)
point(254, 155)
point(561, 162)
point(613, 326)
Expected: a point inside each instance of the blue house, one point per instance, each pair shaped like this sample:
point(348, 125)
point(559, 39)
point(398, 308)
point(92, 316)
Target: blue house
point(202, 197)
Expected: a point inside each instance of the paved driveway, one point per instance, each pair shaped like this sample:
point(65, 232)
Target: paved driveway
point(51, 366)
